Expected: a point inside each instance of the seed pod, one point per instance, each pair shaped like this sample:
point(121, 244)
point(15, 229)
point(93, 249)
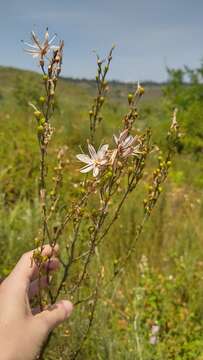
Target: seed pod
point(130, 98)
point(37, 114)
point(101, 100)
point(42, 99)
point(40, 129)
point(42, 121)
point(140, 90)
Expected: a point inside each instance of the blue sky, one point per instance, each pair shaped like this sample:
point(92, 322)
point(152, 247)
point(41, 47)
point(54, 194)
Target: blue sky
point(149, 34)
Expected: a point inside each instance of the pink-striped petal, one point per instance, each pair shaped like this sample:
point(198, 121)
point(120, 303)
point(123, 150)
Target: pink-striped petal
point(123, 135)
point(84, 158)
point(102, 151)
point(87, 168)
point(129, 141)
point(30, 45)
point(92, 152)
point(52, 39)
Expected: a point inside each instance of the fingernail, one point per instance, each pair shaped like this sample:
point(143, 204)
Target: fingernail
point(68, 306)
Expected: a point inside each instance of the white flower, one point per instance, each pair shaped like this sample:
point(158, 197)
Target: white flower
point(154, 333)
point(125, 145)
point(96, 161)
point(153, 340)
point(40, 49)
point(155, 329)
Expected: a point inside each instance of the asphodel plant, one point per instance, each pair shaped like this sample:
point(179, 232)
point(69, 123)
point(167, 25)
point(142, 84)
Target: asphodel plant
point(109, 176)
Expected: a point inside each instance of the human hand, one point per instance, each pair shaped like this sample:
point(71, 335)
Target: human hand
point(22, 329)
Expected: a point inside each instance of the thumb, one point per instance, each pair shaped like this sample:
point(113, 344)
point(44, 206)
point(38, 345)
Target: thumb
point(55, 314)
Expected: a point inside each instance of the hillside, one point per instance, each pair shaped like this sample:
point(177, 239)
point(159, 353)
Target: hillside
point(71, 87)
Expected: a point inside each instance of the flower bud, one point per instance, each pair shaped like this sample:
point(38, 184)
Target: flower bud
point(37, 242)
point(130, 98)
point(37, 114)
point(42, 121)
point(90, 113)
point(140, 90)
point(42, 99)
point(101, 100)
point(82, 190)
point(108, 175)
point(40, 129)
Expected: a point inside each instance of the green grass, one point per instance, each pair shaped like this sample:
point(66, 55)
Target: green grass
point(171, 241)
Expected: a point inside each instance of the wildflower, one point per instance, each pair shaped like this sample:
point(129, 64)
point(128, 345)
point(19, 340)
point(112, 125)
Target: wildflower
point(155, 329)
point(153, 340)
point(154, 332)
point(125, 145)
point(96, 161)
point(40, 49)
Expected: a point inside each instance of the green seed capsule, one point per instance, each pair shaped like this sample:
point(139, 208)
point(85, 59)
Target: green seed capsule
point(141, 90)
point(42, 121)
point(101, 100)
point(42, 99)
point(130, 98)
point(40, 129)
point(37, 114)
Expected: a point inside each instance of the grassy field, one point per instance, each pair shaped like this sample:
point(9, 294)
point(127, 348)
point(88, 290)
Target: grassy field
point(155, 309)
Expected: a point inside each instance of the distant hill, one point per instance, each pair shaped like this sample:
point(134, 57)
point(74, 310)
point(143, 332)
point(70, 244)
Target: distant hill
point(118, 90)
